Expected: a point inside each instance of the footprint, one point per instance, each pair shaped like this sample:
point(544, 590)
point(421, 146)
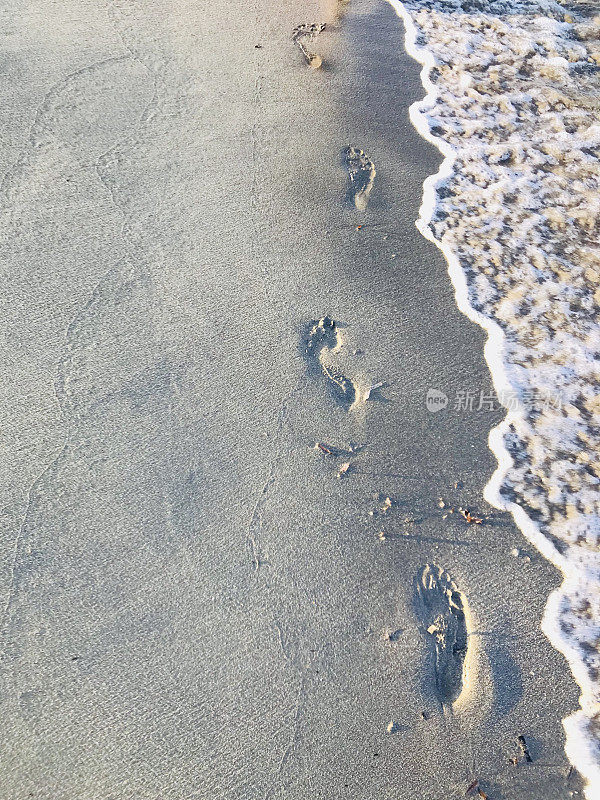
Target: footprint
point(443, 610)
point(361, 176)
point(323, 338)
point(305, 33)
point(323, 333)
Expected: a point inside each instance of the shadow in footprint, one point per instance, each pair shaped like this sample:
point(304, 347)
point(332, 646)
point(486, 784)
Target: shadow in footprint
point(442, 609)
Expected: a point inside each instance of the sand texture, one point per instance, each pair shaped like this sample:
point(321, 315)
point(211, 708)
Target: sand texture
point(233, 560)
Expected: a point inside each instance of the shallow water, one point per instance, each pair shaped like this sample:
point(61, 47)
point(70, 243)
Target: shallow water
point(513, 100)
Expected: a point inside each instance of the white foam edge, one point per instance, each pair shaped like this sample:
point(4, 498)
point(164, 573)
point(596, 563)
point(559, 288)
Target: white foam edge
point(580, 746)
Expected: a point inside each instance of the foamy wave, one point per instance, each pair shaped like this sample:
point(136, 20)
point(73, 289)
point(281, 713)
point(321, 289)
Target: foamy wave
point(513, 95)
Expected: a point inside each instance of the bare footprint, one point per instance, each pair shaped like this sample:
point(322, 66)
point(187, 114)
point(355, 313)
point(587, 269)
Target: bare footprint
point(443, 610)
point(361, 176)
point(323, 338)
point(302, 35)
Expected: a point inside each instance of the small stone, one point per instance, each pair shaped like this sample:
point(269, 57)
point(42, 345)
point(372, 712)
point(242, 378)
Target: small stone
point(343, 470)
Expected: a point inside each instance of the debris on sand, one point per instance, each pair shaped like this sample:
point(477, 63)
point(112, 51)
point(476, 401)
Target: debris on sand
point(338, 452)
point(476, 787)
point(323, 448)
point(344, 469)
point(373, 388)
point(470, 518)
point(394, 727)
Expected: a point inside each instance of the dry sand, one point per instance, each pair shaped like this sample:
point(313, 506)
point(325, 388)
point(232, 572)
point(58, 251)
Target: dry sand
point(198, 602)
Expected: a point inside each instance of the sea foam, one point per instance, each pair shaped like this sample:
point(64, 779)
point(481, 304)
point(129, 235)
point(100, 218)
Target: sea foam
point(512, 103)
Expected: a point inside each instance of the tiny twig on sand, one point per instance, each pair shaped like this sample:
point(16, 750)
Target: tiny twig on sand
point(323, 448)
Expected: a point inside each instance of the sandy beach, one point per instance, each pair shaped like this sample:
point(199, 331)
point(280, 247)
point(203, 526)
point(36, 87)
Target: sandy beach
point(231, 519)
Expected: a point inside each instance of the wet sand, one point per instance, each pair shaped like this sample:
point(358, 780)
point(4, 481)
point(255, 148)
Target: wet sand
point(197, 603)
